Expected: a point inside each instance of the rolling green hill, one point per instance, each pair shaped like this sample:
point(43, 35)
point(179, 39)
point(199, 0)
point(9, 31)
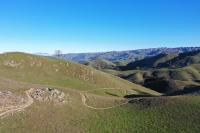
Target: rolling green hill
point(161, 115)
point(47, 71)
point(165, 73)
point(163, 80)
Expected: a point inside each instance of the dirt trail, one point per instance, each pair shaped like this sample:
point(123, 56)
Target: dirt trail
point(84, 99)
point(20, 107)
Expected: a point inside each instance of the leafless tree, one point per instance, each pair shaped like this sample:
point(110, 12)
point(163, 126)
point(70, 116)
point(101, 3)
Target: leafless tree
point(58, 53)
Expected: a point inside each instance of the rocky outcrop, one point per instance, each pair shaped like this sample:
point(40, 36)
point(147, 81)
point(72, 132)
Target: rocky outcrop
point(49, 95)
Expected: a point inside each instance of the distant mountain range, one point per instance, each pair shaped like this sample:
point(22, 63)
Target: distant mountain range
point(131, 55)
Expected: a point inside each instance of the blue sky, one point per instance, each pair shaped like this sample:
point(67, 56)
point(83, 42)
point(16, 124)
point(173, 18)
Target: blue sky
point(97, 25)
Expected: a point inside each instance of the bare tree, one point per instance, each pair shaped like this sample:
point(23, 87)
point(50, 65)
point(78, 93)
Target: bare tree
point(58, 53)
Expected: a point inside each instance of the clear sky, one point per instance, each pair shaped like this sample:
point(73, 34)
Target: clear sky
point(97, 25)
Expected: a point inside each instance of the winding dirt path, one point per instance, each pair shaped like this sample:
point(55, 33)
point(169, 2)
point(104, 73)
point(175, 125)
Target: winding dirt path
point(20, 107)
point(84, 102)
point(84, 99)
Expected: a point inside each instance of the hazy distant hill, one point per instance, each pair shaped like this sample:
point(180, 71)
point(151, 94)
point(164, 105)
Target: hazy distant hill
point(131, 55)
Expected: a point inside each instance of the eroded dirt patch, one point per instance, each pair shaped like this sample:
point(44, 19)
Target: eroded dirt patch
point(11, 103)
point(9, 100)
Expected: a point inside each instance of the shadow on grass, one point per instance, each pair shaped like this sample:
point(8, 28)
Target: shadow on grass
point(112, 94)
point(141, 95)
point(195, 90)
point(136, 96)
point(146, 101)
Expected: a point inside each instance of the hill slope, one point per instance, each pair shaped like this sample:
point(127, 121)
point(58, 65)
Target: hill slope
point(164, 80)
point(41, 70)
point(184, 59)
point(150, 62)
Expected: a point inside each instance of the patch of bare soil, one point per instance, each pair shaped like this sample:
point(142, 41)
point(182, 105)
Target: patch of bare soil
point(9, 100)
point(11, 103)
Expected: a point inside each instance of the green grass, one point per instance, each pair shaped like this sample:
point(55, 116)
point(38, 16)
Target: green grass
point(118, 92)
point(178, 115)
point(45, 118)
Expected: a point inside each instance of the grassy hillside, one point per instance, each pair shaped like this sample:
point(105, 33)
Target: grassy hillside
point(55, 72)
point(151, 115)
point(100, 64)
point(165, 73)
point(167, 60)
point(121, 63)
point(184, 59)
point(162, 115)
point(163, 80)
